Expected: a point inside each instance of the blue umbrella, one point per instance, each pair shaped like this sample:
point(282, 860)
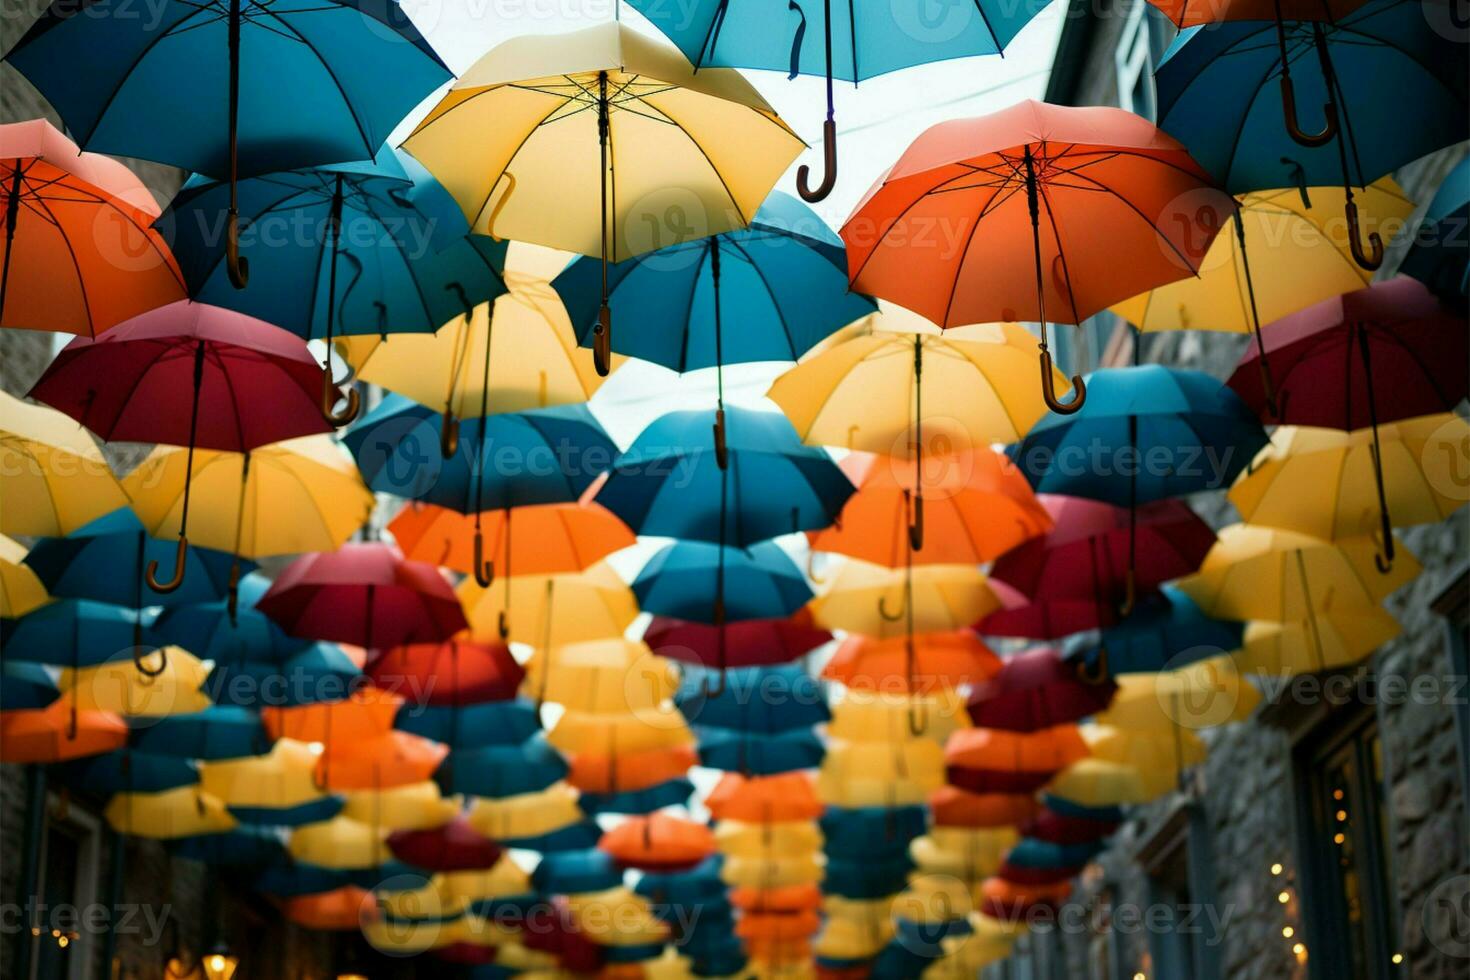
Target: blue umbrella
point(128, 771)
point(1031, 852)
point(312, 811)
point(1440, 255)
point(1067, 808)
point(244, 847)
point(107, 559)
point(210, 632)
point(1164, 632)
point(675, 792)
point(234, 89)
point(697, 886)
point(849, 41)
point(25, 685)
point(218, 732)
point(472, 726)
point(292, 879)
point(577, 836)
point(75, 633)
point(857, 831)
point(502, 770)
point(1392, 86)
point(670, 484)
point(760, 700)
point(708, 584)
point(867, 877)
point(320, 672)
point(576, 872)
point(759, 755)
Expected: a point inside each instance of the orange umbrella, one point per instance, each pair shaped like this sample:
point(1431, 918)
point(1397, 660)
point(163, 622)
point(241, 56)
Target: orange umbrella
point(366, 712)
point(79, 251)
point(951, 806)
point(784, 927)
point(1038, 753)
point(764, 799)
point(1010, 901)
point(59, 732)
point(899, 664)
point(1051, 208)
point(339, 910)
point(658, 842)
point(978, 505)
point(629, 772)
point(547, 538)
point(379, 762)
point(786, 898)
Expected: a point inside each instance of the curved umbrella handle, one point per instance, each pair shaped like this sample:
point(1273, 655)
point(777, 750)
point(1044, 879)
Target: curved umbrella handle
point(143, 668)
point(1130, 595)
point(232, 597)
point(319, 780)
point(883, 610)
point(237, 265)
point(602, 341)
point(917, 728)
point(1383, 558)
point(448, 434)
point(1368, 260)
point(502, 625)
point(1293, 126)
point(829, 160)
point(722, 452)
point(484, 570)
point(178, 579)
point(1097, 674)
point(1049, 390)
point(916, 524)
point(811, 568)
point(330, 394)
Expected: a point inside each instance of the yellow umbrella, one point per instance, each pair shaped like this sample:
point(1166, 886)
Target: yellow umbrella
point(168, 682)
point(1294, 255)
point(526, 815)
point(989, 941)
point(430, 900)
point(53, 477)
point(600, 676)
point(640, 730)
point(552, 610)
point(936, 898)
point(1322, 481)
point(855, 928)
point(1204, 694)
point(1158, 757)
point(883, 716)
point(283, 499)
point(414, 806)
point(856, 774)
point(502, 879)
point(340, 842)
point(20, 590)
point(282, 778)
point(857, 390)
point(409, 936)
point(1268, 573)
point(763, 872)
point(1099, 782)
point(970, 854)
point(786, 838)
point(546, 133)
point(1335, 638)
point(616, 917)
point(183, 812)
point(861, 597)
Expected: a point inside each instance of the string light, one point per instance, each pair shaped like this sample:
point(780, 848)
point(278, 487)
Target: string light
point(1284, 897)
point(1276, 868)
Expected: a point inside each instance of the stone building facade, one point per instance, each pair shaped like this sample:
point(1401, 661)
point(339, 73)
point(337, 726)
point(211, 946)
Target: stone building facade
point(1223, 879)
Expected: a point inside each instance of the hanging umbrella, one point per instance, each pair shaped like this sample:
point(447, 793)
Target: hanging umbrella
point(881, 774)
point(519, 816)
point(782, 279)
point(170, 815)
point(319, 672)
point(1330, 638)
point(206, 629)
point(228, 93)
point(764, 799)
point(54, 477)
point(77, 237)
point(218, 732)
point(951, 806)
point(748, 642)
point(1163, 632)
point(548, 538)
point(881, 602)
point(1160, 759)
point(759, 755)
point(609, 676)
point(472, 726)
point(1370, 357)
point(279, 780)
point(1213, 95)
point(659, 842)
point(365, 715)
point(1098, 782)
point(57, 733)
point(1034, 690)
point(630, 730)
point(371, 248)
point(992, 760)
point(449, 673)
point(1204, 694)
point(670, 792)
point(243, 847)
point(126, 771)
point(163, 682)
point(948, 659)
point(1068, 823)
point(1439, 258)
point(74, 633)
point(867, 715)
point(455, 846)
point(252, 384)
point(364, 594)
point(684, 580)
point(339, 843)
point(281, 499)
point(504, 770)
point(380, 762)
point(25, 685)
point(411, 805)
point(760, 700)
point(601, 606)
point(528, 113)
point(21, 590)
point(630, 773)
point(1085, 168)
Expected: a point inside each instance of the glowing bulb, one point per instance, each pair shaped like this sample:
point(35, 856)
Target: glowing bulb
point(1398, 958)
point(1299, 949)
point(1341, 815)
point(1284, 897)
point(1338, 838)
point(1288, 932)
point(1276, 869)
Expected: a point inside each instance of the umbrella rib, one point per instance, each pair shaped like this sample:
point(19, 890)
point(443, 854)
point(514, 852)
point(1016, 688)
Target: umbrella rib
point(1142, 217)
point(689, 314)
point(346, 102)
point(75, 262)
point(217, 356)
point(407, 264)
point(781, 315)
point(715, 170)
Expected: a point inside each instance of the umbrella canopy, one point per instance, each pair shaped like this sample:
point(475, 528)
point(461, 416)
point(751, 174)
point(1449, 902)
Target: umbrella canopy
point(166, 681)
point(951, 806)
point(881, 774)
point(169, 815)
point(218, 732)
point(381, 762)
point(989, 179)
point(79, 255)
point(277, 780)
point(54, 477)
point(366, 712)
point(548, 538)
point(58, 732)
point(243, 847)
point(1158, 758)
point(631, 730)
point(867, 715)
point(504, 770)
point(452, 672)
point(609, 675)
point(764, 799)
point(637, 775)
point(748, 643)
point(759, 700)
point(319, 672)
point(472, 726)
point(74, 633)
point(127, 771)
point(1099, 782)
point(1336, 637)
point(1163, 632)
point(998, 761)
point(881, 602)
point(946, 659)
point(365, 594)
point(25, 685)
point(207, 630)
point(759, 755)
point(1202, 695)
point(1036, 690)
point(20, 589)
point(603, 606)
point(684, 580)
point(455, 846)
point(658, 842)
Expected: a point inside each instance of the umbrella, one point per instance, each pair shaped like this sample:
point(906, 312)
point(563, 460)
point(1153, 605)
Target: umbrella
point(319, 672)
point(748, 642)
point(759, 755)
point(20, 589)
point(366, 713)
point(206, 629)
point(364, 594)
point(1163, 632)
point(278, 780)
point(137, 689)
point(1204, 694)
point(77, 237)
point(881, 602)
point(993, 760)
point(549, 538)
point(881, 774)
point(370, 248)
point(659, 842)
point(631, 773)
point(169, 815)
point(951, 806)
point(950, 659)
point(759, 700)
point(528, 113)
point(386, 761)
point(341, 843)
point(630, 730)
point(315, 497)
point(1377, 355)
point(609, 676)
point(451, 672)
point(783, 279)
point(1212, 96)
point(856, 41)
point(1087, 169)
point(232, 94)
point(55, 479)
point(1439, 257)
point(1035, 690)
point(58, 732)
point(519, 816)
point(25, 685)
point(474, 725)
point(1316, 480)
point(408, 805)
point(1159, 758)
point(602, 606)
point(670, 792)
point(504, 770)
point(73, 633)
point(243, 847)
point(764, 799)
point(218, 732)
point(455, 846)
point(867, 715)
point(759, 582)
point(1330, 638)
point(127, 771)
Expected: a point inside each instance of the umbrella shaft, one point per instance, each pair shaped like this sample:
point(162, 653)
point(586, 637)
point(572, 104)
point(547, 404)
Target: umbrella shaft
point(12, 217)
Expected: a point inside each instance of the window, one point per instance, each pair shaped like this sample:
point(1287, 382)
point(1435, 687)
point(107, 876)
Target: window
point(1178, 857)
point(67, 887)
point(1140, 47)
point(1454, 605)
point(1347, 892)
point(1104, 951)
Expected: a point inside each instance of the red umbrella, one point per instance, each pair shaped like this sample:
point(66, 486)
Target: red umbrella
point(1044, 207)
point(454, 672)
point(1389, 352)
point(1061, 828)
point(456, 846)
point(748, 643)
point(1022, 875)
point(1034, 690)
point(1084, 561)
point(365, 594)
point(188, 374)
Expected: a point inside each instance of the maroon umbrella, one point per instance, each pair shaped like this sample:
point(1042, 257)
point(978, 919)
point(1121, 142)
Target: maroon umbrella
point(1062, 828)
point(748, 643)
point(456, 671)
point(974, 780)
point(1388, 352)
point(365, 594)
point(1034, 690)
point(1045, 619)
point(1021, 874)
point(456, 846)
point(188, 374)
